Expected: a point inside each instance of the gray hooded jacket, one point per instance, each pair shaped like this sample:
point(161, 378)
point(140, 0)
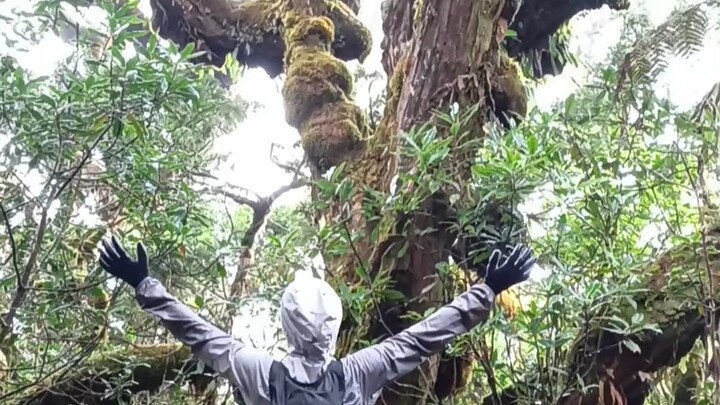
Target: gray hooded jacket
point(311, 313)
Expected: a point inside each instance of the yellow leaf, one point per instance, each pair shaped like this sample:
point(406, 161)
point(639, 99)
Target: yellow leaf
point(509, 301)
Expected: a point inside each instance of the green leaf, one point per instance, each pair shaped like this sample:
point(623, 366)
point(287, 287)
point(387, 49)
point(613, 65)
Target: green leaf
point(187, 50)
point(632, 346)
point(393, 295)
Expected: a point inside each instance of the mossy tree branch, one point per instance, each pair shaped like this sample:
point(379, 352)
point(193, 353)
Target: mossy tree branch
point(135, 369)
point(605, 363)
point(251, 30)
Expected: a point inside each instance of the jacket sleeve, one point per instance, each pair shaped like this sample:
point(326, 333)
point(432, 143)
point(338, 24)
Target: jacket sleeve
point(370, 369)
point(245, 367)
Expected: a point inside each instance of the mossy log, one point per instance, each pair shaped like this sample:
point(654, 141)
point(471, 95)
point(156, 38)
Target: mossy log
point(135, 369)
point(251, 30)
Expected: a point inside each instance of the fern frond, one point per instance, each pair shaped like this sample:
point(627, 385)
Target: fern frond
point(682, 35)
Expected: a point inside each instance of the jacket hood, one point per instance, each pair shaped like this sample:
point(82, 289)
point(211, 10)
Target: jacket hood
point(310, 314)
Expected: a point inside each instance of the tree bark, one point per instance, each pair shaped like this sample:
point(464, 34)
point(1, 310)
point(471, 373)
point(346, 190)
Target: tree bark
point(425, 74)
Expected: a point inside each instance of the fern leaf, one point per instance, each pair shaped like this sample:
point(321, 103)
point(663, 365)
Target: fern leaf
point(681, 35)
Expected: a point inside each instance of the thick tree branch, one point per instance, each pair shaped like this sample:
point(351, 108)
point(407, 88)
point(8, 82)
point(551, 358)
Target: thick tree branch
point(536, 21)
point(146, 368)
point(251, 31)
point(604, 362)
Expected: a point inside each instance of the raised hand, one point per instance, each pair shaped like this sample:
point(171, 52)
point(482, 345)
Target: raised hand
point(114, 259)
point(514, 270)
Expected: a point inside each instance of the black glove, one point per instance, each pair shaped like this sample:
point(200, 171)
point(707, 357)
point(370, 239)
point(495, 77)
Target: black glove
point(514, 270)
point(115, 261)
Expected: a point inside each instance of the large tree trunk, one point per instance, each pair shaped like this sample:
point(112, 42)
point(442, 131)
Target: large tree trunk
point(427, 73)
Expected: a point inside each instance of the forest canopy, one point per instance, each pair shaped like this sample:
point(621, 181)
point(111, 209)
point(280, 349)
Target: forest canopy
point(416, 146)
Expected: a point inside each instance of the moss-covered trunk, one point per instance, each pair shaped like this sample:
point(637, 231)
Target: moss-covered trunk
point(426, 74)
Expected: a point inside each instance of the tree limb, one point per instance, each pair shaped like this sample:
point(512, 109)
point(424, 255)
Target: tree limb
point(250, 31)
point(146, 367)
point(536, 21)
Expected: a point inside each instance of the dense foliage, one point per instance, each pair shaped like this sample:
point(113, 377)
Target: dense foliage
point(615, 186)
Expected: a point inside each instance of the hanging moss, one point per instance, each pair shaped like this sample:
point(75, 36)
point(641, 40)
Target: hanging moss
point(321, 66)
point(507, 90)
point(332, 134)
point(302, 95)
point(303, 29)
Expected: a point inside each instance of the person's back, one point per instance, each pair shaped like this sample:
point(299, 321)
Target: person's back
point(311, 313)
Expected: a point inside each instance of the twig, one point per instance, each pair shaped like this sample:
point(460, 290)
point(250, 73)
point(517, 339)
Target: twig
point(24, 278)
point(13, 246)
point(287, 167)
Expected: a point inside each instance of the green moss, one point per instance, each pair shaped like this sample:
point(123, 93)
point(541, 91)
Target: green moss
point(299, 29)
point(149, 354)
point(507, 90)
point(322, 66)
point(337, 111)
point(331, 135)
point(302, 95)
point(317, 89)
